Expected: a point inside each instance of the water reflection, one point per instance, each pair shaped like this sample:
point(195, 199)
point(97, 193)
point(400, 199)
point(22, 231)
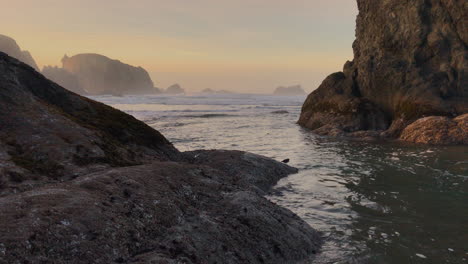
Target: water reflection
point(383, 203)
point(374, 203)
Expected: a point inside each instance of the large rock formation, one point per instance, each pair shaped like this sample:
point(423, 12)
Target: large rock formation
point(81, 182)
point(98, 74)
point(10, 47)
point(289, 90)
point(410, 61)
point(174, 89)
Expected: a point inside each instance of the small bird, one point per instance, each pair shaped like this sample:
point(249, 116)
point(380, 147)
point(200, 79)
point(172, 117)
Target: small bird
point(285, 161)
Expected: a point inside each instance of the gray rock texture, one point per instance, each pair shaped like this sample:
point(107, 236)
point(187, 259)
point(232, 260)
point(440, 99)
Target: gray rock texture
point(99, 74)
point(81, 182)
point(10, 47)
point(410, 61)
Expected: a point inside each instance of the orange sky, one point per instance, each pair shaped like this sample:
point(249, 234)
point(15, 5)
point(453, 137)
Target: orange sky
point(243, 45)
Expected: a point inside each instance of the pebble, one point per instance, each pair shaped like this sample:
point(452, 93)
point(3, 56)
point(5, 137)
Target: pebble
point(421, 256)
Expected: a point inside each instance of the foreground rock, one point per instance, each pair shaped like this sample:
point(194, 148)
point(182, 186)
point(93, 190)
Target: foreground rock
point(10, 47)
point(410, 61)
point(290, 90)
point(98, 74)
point(82, 182)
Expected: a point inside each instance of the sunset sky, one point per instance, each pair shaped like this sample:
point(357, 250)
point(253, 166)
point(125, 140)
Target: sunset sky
point(242, 45)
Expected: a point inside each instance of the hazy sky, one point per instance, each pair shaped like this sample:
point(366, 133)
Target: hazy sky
point(239, 45)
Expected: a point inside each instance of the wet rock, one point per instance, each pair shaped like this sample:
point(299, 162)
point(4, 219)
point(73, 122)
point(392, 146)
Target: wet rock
point(437, 130)
point(410, 61)
point(246, 169)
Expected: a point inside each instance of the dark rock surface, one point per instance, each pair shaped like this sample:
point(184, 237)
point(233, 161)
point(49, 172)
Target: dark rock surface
point(410, 61)
point(10, 47)
point(289, 90)
point(99, 74)
point(174, 89)
point(82, 182)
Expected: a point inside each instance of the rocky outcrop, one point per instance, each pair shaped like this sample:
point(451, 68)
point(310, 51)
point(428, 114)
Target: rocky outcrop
point(81, 182)
point(437, 130)
point(98, 74)
point(174, 89)
point(48, 133)
point(10, 47)
point(289, 90)
point(410, 61)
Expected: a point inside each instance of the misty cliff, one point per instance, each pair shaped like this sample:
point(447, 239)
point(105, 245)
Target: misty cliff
point(98, 74)
point(10, 47)
point(64, 79)
point(410, 61)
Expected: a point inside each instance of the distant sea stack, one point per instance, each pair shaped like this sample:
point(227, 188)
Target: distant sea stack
point(10, 47)
point(289, 90)
point(98, 74)
point(211, 91)
point(174, 89)
point(410, 61)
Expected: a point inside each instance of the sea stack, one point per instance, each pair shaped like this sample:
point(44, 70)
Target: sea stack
point(410, 62)
point(98, 74)
point(174, 89)
point(10, 47)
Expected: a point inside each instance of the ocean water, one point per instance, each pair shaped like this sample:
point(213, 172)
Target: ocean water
point(373, 202)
